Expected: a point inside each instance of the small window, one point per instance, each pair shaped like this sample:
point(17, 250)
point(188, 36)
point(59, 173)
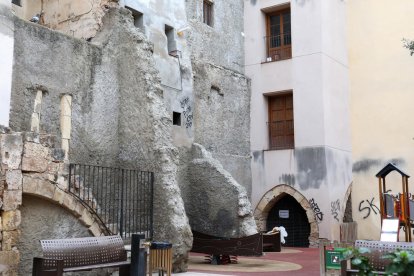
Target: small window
point(176, 118)
point(138, 18)
point(278, 35)
point(17, 2)
point(281, 129)
point(208, 12)
point(171, 44)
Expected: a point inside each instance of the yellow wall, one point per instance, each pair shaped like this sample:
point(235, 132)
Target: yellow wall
point(382, 99)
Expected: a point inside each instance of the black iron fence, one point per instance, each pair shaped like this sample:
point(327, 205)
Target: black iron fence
point(121, 198)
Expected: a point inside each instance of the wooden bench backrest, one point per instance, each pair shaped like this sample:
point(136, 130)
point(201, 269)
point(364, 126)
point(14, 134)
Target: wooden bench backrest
point(379, 249)
point(84, 251)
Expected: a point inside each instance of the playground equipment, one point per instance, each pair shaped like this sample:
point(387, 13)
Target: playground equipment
point(400, 206)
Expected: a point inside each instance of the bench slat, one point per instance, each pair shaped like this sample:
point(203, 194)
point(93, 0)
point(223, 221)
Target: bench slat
point(90, 267)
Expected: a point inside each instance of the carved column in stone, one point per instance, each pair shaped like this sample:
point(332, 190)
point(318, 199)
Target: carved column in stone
point(65, 122)
point(35, 123)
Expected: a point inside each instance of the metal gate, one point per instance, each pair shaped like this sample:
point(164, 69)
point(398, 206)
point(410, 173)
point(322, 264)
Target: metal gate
point(287, 212)
point(121, 198)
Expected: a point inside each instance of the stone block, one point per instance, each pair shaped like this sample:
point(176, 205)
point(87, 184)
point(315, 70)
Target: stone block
point(62, 182)
point(14, 179)
point(11, 200)
point(31, 184)
point(9, 258)
point(58, 155)
point(32, 137)
point(10, 239)
point(11, 148)
point(59, 195)
point(262, 205)
point(11, 220)
point(95, 229)
point(47, 190)
point(87, 218)
point(4, 130)
point(36, 158)
point(68, 201)
point(48, 140)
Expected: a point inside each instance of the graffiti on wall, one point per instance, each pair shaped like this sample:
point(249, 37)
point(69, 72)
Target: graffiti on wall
point(366, 206)
point(187, 112)
point(316, 210)
point(335, 209)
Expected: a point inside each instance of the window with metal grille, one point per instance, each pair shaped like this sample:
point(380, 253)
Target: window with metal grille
point(281, 130)
point(16, 2)
point(208, 12)
point(278, 35)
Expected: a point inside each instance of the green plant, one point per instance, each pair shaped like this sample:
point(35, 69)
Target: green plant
point(359, 260)
point(402, 263)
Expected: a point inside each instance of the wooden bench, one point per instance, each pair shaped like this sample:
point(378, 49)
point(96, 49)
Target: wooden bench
point(79, 254)
point(378, 250)
point(271, 242)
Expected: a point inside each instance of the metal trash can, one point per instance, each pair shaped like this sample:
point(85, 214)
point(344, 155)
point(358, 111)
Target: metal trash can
point(160, 258)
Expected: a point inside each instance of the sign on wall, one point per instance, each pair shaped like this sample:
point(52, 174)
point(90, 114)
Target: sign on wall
point(284, 214)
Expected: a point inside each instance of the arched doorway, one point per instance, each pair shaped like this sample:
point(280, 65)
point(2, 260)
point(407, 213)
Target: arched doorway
point(271, 197)
point(287, 212)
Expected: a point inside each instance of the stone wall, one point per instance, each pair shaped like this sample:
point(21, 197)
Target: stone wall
point(119, 116)
point(222, 43)
point(31, 165)
point(80, 19)
point(226, 215)
point(222, 118)
point(118, 112)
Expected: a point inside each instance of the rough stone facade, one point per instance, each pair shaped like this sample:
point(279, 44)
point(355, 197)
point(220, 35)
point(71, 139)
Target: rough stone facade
point(212, 214)
point(123, 94)
point(118, 115)
point(30, 165)
point(221, 103)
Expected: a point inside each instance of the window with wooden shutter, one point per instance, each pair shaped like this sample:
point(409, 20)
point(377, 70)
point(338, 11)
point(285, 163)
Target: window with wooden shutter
point(208, 12)
point(278, 35)
point(281, 130)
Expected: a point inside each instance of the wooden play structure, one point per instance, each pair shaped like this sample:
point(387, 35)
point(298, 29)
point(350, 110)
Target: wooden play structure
point(396, 206)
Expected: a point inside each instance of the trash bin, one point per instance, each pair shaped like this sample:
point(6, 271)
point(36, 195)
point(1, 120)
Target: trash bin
point(160, 258)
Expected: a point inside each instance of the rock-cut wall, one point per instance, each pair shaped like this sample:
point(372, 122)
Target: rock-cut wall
point(118, 114)
point(216, 204)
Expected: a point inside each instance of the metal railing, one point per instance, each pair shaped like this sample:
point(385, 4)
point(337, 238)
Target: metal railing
point(121, 198)
point(278, 47)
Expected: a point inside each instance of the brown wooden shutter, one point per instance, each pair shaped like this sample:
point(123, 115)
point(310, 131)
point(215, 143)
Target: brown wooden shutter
point(281, 130)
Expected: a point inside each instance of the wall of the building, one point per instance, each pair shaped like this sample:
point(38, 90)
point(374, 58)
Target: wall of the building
point(44, 220)
point(320, 164)
point(381, 81)
point(80, 19)
point(6, 60)
point(118, 114)
point(222, 43)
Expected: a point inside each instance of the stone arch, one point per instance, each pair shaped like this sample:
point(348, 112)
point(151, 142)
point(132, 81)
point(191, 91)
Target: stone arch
point(272, 196)
point(51, 192)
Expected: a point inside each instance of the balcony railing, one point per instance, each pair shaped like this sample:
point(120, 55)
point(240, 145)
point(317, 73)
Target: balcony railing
point(278, 47)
